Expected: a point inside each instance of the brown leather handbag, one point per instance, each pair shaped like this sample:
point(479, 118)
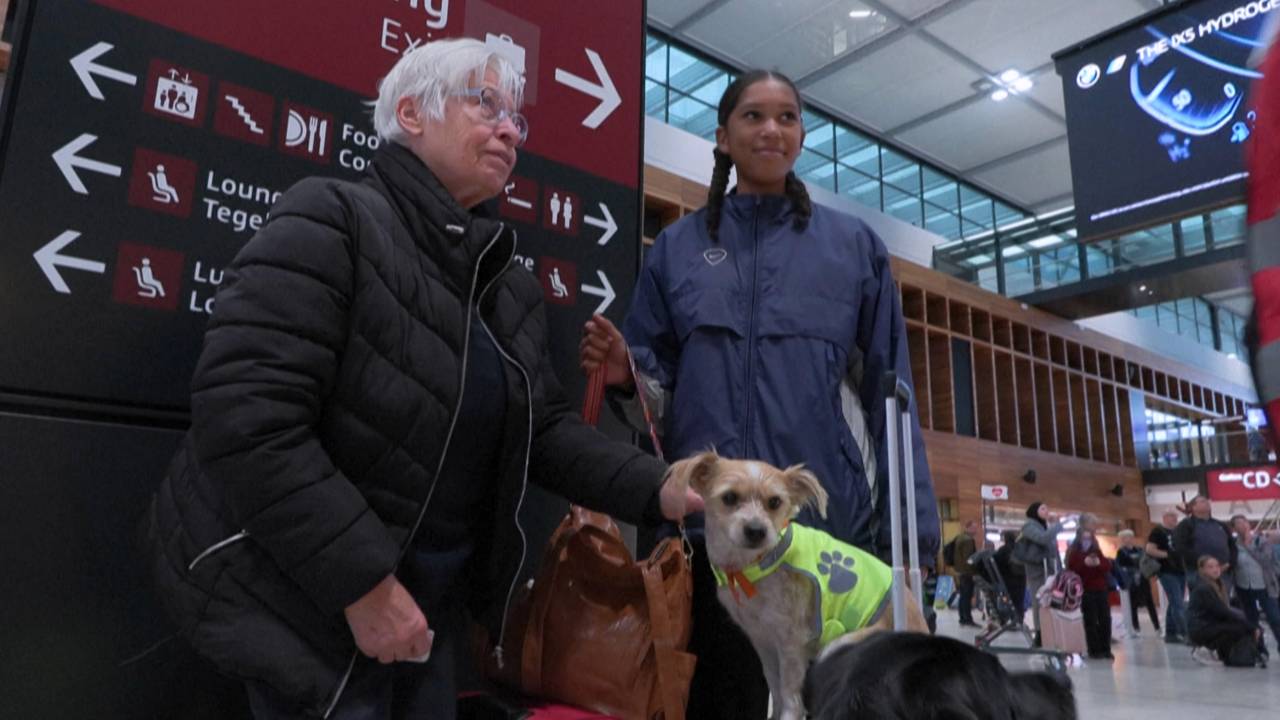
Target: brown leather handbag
point(599, 630)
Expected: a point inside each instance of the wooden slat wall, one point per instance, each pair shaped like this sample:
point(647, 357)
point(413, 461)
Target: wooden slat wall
point(4, 47)
point(984, 394)
point(1027, 431)
point(960, 465)
point(1038, 321)
point(1044, 408)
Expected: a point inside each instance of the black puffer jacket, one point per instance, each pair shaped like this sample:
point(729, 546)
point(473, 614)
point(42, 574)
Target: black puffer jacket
point(322, 408)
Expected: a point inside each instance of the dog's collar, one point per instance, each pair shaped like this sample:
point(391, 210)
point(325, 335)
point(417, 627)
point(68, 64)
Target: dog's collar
point(745, 578)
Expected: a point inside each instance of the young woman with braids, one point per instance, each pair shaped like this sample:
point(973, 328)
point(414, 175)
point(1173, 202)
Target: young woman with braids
point(762, 326)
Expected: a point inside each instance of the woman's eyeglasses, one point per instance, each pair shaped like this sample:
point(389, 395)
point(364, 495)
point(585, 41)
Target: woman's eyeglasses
point(494, 110)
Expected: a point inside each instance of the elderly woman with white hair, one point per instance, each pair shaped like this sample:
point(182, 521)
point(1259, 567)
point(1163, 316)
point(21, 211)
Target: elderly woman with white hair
point(1137, 588)
point(374, 394)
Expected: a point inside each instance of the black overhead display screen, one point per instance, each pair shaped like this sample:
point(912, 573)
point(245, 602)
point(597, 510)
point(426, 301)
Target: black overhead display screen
point(1158, 113)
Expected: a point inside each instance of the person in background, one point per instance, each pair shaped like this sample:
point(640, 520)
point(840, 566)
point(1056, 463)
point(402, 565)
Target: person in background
point(1172, 579)
point(1085, 559)
point(1199, 535)
point(1129, 559)
point(1214, 627)
point(763, 326)
point(1013, 573)
point(1037, 550)
point(1256, 583)
point(965, 547)
point(1087, 522)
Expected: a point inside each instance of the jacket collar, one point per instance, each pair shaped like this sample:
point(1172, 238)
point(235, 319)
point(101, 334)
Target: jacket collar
point(447, 232)
point(763, 207)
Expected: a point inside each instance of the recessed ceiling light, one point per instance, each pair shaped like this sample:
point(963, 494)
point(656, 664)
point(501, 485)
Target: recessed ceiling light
point(1045, 242)
point(1142, 288)
point(1009, 75)
point(1022, 84)
point(999, 95)
point(861, 14)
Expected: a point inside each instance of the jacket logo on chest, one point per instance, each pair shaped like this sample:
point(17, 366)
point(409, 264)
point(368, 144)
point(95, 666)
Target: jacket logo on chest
point(715, 256)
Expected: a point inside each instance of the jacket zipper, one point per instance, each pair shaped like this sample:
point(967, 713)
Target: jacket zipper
point(448, 439)
point(216, 547)
point(524, 476)
point(524, 485)
point(747, 448)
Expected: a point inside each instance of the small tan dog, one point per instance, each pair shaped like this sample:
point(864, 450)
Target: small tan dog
point(795, 591)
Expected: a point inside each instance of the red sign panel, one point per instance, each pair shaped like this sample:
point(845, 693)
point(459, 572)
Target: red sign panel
point(179, 124)
point(244, 114)
point(162, 182)
point(148, 276)
point(583, 61)
point(1245, 483)
point(176, 93)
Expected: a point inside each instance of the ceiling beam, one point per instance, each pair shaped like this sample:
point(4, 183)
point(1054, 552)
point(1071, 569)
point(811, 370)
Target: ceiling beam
point(905, 27)
point(852, 56)
point(698, 14)
point(935, 114)
point(1064, 197)
point(1016, 155)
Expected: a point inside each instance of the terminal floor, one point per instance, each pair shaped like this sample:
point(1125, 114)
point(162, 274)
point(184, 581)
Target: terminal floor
point(1149, 679)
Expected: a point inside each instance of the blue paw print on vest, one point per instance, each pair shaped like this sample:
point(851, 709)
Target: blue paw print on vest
point(839, 571)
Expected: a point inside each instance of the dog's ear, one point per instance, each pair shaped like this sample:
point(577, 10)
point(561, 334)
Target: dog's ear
point(696, 472)
point(805, 489)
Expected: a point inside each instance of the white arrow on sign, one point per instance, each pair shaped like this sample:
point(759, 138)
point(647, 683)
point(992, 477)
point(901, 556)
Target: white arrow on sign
point(605, 292)
point(606, 223)
point(604, 90)
point(86, 68)
point(67, 161)
point(48, 259)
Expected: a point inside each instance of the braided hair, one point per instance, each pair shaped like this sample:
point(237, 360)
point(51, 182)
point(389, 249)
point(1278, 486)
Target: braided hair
point(794, 188)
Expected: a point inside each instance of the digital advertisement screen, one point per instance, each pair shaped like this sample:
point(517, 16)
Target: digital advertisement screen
point(1158, 113)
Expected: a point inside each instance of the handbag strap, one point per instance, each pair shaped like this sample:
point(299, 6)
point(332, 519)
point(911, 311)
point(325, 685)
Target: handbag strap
point(664, 638)
point(594, 400)
point(644, 407)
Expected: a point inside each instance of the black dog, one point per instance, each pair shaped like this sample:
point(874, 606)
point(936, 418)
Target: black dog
point(909, 676)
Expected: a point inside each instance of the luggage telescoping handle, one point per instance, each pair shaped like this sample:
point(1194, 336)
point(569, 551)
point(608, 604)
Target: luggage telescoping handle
point(897, 421)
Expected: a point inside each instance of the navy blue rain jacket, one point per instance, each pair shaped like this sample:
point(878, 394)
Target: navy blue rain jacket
point(753, 335)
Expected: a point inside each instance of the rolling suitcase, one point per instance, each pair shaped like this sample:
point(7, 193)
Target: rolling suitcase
point(897, 413)
point(1062, 630)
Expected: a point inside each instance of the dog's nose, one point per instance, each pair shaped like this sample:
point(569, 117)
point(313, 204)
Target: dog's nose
point(754, 534)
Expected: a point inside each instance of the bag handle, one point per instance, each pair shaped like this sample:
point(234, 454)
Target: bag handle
point(664, 639)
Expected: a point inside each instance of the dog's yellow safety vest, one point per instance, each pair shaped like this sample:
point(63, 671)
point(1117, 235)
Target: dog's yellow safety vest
point(851, 586)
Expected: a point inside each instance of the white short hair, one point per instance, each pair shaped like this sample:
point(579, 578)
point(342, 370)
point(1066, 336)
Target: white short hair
point(434, 71)
point(1126, 533)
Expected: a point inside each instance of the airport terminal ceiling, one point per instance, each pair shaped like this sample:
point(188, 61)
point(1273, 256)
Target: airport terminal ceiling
point(922, 74)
